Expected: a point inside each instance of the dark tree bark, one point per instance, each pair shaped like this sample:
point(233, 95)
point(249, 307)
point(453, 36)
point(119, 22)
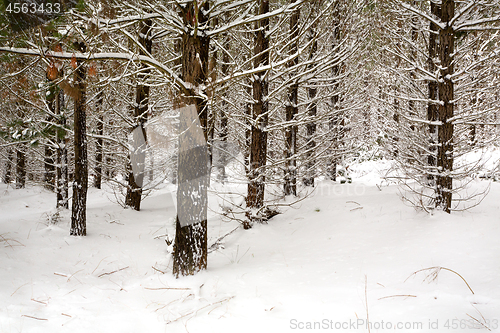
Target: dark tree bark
point(258, 145)
point(413, 57)
point(21, 167)
point(290, 186)
point(49, 167)
point(80, 184)
point(8, 167)
point(135, 179)
point(312, 109)
point(99, 141)
point(212, 113)
point(109, 170)
point(475, 101)
point(248, 131)
point(337, 121)
point(432, 108)
point(224, 132)
point(190, 247)
point(446, 109)
point(61, 153)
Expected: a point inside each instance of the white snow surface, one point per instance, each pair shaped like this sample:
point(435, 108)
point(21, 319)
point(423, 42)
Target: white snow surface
point(343, 253)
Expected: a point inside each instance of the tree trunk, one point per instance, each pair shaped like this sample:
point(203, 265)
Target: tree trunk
point(258, 145)
point(312, 109)
point(444, 180)
point(110, 171)
point(80, 184)
point(21, 167)
point(138, 156)
point(337, 122)
point(290, 186)
point(413, 58)
point(432, 108)
point(49, 167)
point(61, 153)
point(395, 117)
point(248, 131)
point(99, 142)
point(224, 132)
point(190, 247)
point(8, 167)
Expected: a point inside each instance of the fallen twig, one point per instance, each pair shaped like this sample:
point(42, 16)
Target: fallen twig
point(156, 269)
point(35, 300)
point(60, 274)
point(160, 236)
point(216, 244)
point(98, 264)
point(67, 315)
point(479, 322)
point(121, 269)
point(396, 296)
point(196, 311)
point(8, 240)
point(15, 291)
point(435, 272)
point(74, 274)
point(33, 317)
point(356, 208)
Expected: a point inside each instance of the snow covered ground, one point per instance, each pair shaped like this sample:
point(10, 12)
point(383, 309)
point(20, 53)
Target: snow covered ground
point(345, 254)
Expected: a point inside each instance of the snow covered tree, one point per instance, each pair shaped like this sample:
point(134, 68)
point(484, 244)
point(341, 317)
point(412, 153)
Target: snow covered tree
point(291, 110)
point(137, 162)
point(434, 156)
point(258, 144)
point(190, 247)
point(80, 183)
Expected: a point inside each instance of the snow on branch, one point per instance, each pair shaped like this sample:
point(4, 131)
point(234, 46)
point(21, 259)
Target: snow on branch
point(254, 18)
point(462, 12)
point(423, 15)
point(476, 25)
point(99, 56)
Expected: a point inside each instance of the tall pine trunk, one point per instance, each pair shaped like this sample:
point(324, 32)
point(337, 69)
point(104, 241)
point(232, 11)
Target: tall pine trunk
point(258, 135)
point(136, 168)
point(412, 109)
point(49, 167)
point(21, 167)
point(291, 110)
point(61, 153)
point(224, 131)
point(444, 180)
point(248, 128)
point(337, 122)
point(8, 167)
point(312, 109)
point(99, 142)
point(80, 183)
point(432, 86)
point(190, 247)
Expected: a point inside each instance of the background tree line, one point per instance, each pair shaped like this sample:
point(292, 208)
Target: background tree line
point(285, 93)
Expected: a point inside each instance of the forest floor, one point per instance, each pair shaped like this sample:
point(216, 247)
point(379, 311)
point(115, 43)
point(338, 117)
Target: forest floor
point(344, 254)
